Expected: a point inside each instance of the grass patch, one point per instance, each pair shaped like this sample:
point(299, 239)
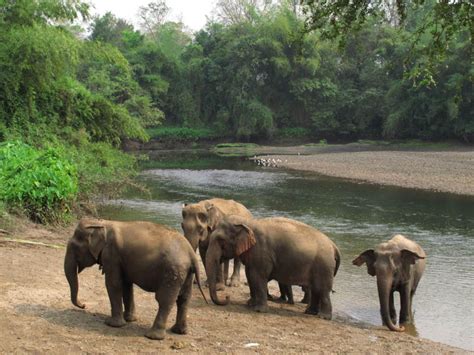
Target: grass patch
point(181, 134)
point(321, 143)
point(235, 149)
point(236, 145)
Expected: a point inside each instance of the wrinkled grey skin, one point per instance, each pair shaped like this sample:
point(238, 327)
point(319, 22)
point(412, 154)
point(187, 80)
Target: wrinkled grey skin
point(398, 265)
point(200, 220)
point(154, 257)
point(282, 249)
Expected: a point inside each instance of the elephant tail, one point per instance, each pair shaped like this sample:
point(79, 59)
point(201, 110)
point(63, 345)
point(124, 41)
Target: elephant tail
point(195, 270)
point(337, 257)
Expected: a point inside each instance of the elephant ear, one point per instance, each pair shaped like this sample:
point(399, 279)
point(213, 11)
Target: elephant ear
point(97, 239)
point(245, 239)
point(367, 257)
point(214, 216)
point(410, 257)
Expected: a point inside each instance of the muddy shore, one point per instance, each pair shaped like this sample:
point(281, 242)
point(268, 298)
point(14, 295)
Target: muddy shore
point(37, 315)
point(443, 171)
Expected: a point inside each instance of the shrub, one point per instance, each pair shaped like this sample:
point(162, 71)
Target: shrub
point(293, 132)
point(41, 182)
point(181, 133)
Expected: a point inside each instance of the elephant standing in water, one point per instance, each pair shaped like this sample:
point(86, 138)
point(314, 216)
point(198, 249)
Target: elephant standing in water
point(154, 257)
point(199, 221)
point(288, 251)
point(398, 265)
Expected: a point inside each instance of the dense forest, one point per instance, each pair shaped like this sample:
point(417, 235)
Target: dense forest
point(72, 87)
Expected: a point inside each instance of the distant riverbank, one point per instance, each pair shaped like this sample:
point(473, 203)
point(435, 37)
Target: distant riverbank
point(444, 171)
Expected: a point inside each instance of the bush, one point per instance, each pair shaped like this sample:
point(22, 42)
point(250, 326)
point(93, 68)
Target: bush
point(181, 133)
point(41, 182)
point(293, 132)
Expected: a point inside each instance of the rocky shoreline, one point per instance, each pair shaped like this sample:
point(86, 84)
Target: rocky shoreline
point(442, 171)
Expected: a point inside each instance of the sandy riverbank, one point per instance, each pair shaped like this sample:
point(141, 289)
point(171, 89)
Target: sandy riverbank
point(444, 171)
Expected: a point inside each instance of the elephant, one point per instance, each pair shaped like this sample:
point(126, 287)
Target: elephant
point(278, 248)
point(154, 257)
point(398, 265)
point(200, 219)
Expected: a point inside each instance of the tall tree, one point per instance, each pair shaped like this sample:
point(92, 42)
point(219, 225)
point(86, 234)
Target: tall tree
point(152, 16)
point(441, 20)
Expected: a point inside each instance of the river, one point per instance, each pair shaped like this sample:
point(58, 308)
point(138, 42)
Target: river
point(355, 216)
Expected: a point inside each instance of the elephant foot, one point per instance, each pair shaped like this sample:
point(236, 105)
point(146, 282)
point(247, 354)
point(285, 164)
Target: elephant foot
point(233, 282)
point(260, 308)
point(311, 311)
point(179, 329)
point(155, 334)
point(327, 316)
point(305, 300)
point(130, 317)
point(251, 302)
point(115, 322)
point(220, 286)
point(290, 302)
point(278, 300)
point(271, 298)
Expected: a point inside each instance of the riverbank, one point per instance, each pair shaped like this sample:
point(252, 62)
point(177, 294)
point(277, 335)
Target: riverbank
point(37, 315)
point(444, 171)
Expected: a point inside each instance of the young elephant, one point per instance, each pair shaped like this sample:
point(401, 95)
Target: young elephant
point(288, 251)
point(200, 219)
point(398, 265)
point(154, 257)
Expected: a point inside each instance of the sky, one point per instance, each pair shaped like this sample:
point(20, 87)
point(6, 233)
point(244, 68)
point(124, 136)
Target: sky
point(191, 12)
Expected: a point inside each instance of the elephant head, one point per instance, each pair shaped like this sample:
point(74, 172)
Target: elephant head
point(83, 250)
point(391, 265)
point(231, 238)
point(199, 220)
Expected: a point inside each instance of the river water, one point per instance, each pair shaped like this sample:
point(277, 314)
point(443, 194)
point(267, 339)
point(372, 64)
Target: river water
point(355, 216)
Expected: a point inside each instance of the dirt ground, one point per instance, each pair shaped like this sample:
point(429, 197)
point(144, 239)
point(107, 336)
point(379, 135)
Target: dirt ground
point(37, 316)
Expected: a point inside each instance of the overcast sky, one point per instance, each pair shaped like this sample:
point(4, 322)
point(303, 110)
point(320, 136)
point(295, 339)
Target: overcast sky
point(191, 12)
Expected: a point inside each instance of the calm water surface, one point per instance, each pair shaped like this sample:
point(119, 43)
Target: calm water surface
point(355, 216)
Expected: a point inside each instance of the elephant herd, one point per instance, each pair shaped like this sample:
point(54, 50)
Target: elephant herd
point(161, 260)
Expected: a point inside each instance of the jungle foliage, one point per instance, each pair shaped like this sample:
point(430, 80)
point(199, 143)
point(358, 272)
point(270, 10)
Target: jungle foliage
point(258, 74)
point(255, 73)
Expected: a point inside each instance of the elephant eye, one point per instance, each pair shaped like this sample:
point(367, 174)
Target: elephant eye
point(202, 217)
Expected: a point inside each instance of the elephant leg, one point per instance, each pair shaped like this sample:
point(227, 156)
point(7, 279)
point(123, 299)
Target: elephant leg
point(235, 278)
point(166, 297)
point(258, 289)
point(392, 310)
point(202, 252)
point(314, 302)
point(182, 302)
point(307, 294)
point(405, 305)
point(283, 292)
point(114, 285)
point(128, 302)
point(289, 294)
point(320, 293)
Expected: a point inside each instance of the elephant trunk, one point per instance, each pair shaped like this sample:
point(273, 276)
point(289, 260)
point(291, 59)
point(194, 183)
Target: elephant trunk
point(213, 258)
point(384, 285)
point(70, 270)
